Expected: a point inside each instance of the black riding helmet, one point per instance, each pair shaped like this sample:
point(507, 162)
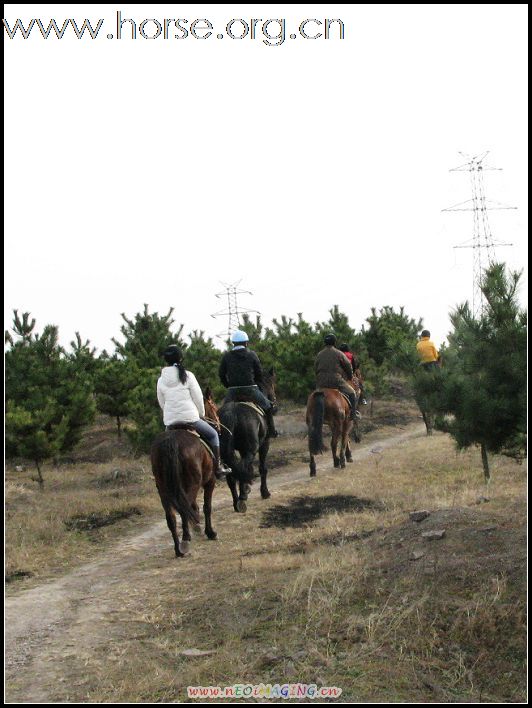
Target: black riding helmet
point(330, 340)
point(344, 347)
point(173, 354)
point(425, 333)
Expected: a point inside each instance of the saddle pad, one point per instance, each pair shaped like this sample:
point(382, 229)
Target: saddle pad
point(322, 390)
point(252, 405)
point(195, 432)
point(206, 446)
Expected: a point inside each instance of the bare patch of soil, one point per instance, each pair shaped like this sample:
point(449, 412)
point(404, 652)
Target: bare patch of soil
point(95, 520)
point(305, 509)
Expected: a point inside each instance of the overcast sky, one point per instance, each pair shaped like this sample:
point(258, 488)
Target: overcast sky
point(149, 170)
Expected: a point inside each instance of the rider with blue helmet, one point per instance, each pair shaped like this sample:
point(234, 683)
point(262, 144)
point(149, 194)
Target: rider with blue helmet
point(241, 373)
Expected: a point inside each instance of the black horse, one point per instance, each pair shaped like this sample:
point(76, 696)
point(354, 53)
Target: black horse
point(245, 430)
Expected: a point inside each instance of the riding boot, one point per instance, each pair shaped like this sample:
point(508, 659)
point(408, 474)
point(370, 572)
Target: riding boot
point(220, 469)
point(272, 432)
point(353, 403)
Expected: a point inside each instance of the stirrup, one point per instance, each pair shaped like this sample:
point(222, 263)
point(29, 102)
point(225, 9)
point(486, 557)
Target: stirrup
point(222, 471)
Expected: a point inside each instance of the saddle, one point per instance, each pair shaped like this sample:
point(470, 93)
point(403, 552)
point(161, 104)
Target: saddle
point(188, 429)
point(253, 405)
point(324, 388)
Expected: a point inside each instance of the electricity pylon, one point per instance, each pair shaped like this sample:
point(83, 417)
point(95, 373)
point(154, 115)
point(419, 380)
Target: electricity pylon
point(482, 242)
point(233, 310)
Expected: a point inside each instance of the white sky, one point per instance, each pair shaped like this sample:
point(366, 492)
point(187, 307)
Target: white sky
point(148, 171)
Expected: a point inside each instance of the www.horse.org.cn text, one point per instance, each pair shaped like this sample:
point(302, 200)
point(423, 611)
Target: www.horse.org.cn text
point(272, 32)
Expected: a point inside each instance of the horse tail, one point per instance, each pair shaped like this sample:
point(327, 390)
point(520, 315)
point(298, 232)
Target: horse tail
point(229, 418)
point(315, 438)
point(171, 472)
point(227, 415)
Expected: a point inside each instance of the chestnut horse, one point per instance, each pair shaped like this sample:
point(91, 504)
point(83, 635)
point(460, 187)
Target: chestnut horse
point(182, 465)
point(328, 405)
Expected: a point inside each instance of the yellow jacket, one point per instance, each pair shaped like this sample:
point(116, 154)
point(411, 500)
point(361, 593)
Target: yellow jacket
point(426, 350)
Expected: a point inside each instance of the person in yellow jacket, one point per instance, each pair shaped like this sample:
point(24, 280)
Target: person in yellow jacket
point(428, 353)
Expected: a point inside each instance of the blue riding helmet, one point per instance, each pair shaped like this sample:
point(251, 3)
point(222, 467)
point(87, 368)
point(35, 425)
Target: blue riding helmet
point(239, 337)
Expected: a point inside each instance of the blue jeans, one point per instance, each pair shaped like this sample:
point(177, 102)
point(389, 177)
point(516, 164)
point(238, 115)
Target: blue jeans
point(207, 432)
point(252, 392)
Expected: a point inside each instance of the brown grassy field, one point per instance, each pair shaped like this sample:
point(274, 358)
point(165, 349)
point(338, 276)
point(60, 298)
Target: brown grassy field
point(328, 582)
point(102, 493)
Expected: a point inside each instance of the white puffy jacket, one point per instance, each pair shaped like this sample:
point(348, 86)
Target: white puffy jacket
point(181, 403)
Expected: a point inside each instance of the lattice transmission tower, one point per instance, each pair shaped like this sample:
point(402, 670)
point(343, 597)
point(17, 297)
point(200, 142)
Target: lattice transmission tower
point(233, 311)
point(482, 242)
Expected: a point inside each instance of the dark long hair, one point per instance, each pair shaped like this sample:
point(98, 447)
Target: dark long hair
point(174, 357)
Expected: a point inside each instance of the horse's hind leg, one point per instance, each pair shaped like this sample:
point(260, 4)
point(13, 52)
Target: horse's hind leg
point(263, 451)
point(348, 455)
point(343, 443)
point(312, 465)
point(231, 482)
point(172, 525)
point(207, 509)
point(334, 446)
point(245, 489)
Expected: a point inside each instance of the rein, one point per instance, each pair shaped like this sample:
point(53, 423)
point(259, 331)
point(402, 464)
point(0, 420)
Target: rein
point(217, 423)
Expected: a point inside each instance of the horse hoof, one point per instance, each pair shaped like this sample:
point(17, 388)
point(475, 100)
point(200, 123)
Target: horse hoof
point(185, 547)
point(312, 473)
point(265, 495)
point(336, 465)
point(241, 506)
point(212, 536)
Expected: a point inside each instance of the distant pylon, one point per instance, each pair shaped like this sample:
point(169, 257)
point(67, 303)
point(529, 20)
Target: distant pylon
point(482, 242)
point(233, 311)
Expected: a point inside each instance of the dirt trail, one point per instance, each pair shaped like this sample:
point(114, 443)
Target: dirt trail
point(72, 615)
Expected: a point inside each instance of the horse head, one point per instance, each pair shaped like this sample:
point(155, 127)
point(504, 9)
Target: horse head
point(211, 409)
point(268, 384)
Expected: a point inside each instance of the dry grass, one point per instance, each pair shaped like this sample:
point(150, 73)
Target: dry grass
point(44, 536)
point(336, 601)
point(45, 533)
point(319, 605)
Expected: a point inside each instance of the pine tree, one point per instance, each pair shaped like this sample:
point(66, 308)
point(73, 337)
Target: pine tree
point(480, 395)
point(337, 324)
point(203, 359)
point(113, 384)
point(144, 412)
point(146, 337)
point(48, 402)
point(391, 337)
point(83, 357)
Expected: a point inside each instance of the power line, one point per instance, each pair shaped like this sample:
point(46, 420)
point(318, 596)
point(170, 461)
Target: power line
point(233, 310)
point(482, 242)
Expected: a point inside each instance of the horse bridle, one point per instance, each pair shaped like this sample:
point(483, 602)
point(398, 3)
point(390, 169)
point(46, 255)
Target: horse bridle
point(217, 423)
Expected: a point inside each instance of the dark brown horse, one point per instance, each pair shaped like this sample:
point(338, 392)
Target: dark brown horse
point(182, 465)
point(244, 430)
point(327, 405)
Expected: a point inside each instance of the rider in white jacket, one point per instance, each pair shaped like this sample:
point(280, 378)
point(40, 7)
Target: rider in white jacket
point(181, 400)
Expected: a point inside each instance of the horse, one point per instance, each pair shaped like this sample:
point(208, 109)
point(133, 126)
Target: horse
point(211, 410)
point(357, 435)
point(424, 381)
point(328, 405)
point(181, 465)
point(244, 430)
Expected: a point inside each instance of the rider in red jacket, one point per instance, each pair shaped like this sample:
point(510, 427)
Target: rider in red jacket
point(353, 360)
